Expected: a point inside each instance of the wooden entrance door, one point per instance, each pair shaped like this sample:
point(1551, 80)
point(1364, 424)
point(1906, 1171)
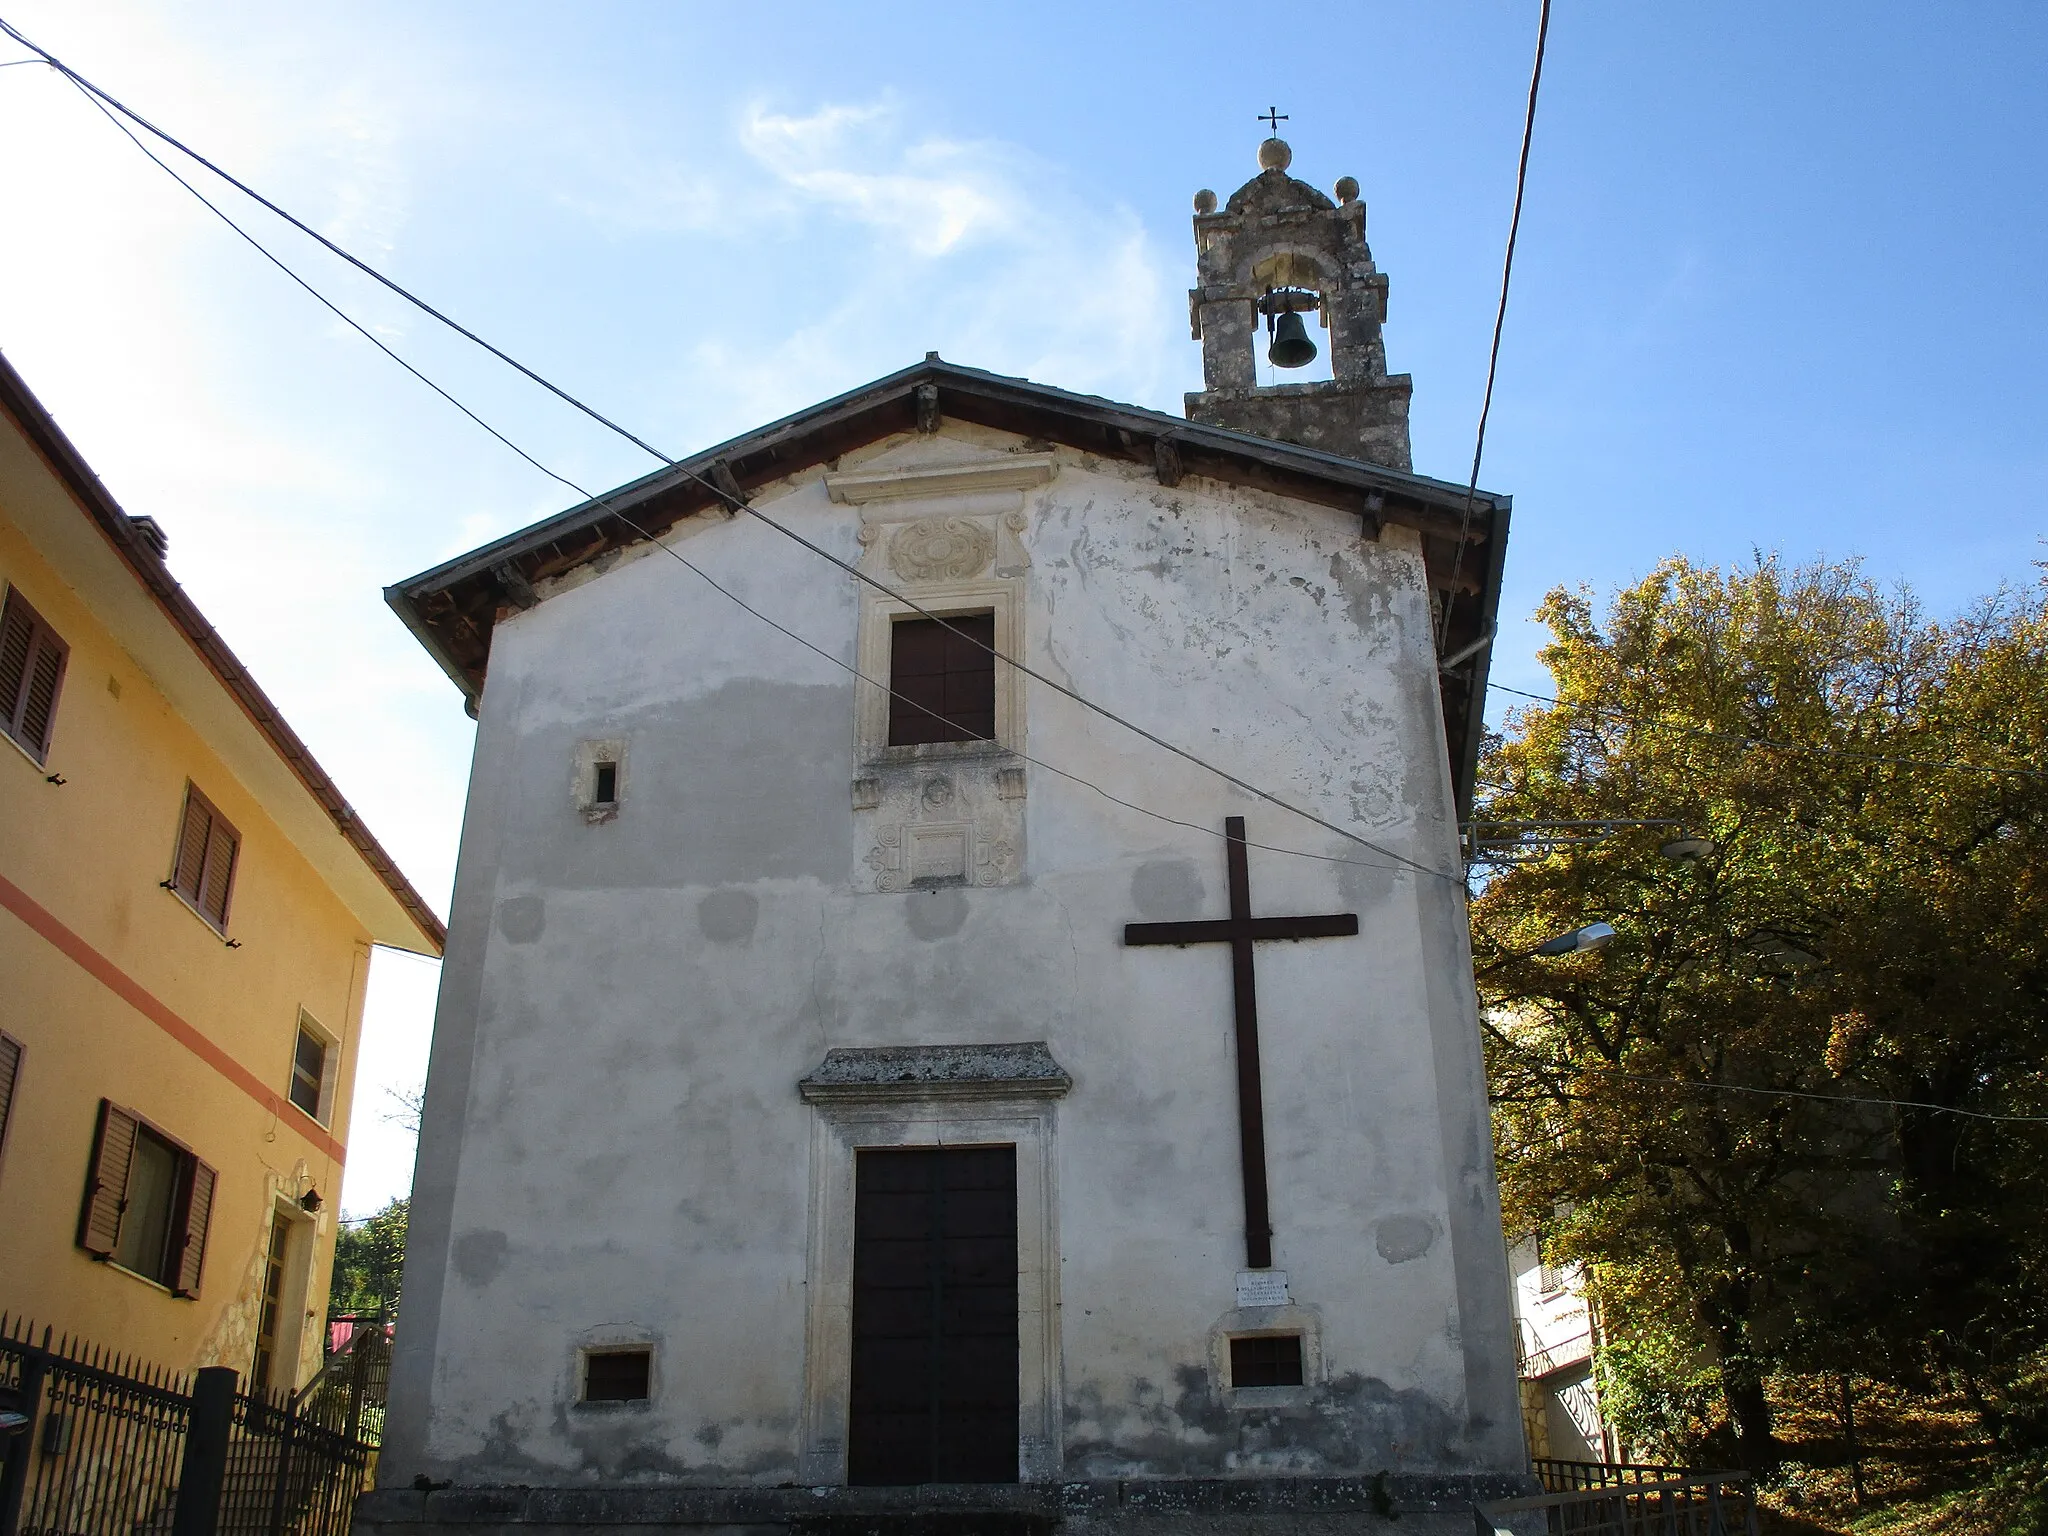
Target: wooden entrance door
point(934, 1317)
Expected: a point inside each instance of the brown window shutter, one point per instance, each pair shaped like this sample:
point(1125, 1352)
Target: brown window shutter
point(192, 840)
point(197, 1212)
point(39, 703)
point(10, 1074)
point(17, 639)
point(221, 848)
point(106, 1183)
point(31, 672)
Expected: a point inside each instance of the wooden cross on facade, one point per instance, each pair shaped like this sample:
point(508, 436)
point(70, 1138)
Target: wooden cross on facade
point(1241, 931)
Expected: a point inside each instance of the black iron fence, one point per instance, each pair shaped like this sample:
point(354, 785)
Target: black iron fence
point(1605, 1498)
point(96, 1445)
point(1560, 1476)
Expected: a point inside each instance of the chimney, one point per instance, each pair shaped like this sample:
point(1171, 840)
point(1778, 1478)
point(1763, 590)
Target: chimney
point(152, 536)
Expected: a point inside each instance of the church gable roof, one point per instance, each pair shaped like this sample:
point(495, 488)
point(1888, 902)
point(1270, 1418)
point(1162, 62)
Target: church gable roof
point(452, 608)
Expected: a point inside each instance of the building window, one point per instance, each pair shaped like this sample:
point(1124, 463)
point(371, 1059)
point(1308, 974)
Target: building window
point(1550, 1275)
point(312, 1085)
point(1266, 1360)
point(617, 1375)
point(31, 673)
point(598, 785)
point(10, 1074)
point(204, 870)
point(942, 683)
point(148, 1202)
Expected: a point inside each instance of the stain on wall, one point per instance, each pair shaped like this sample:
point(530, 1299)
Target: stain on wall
point(726, 917)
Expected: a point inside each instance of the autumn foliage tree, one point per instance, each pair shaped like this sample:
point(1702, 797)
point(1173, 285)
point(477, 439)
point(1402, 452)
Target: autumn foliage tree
point(1776, 1113)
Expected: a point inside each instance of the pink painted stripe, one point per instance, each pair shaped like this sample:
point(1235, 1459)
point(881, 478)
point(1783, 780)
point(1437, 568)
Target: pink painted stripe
point(125, 987)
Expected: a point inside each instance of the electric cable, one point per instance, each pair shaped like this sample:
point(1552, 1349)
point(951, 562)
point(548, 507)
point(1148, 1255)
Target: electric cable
point(1657, 722)
point(1796, 1093)
point(601, 501)
point(733, 504)
point(1500, 315)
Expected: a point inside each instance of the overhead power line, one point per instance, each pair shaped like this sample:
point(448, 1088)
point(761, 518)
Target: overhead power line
point(1500, 316)
point(1797, 1093)
point(1662, 723)
point(623, 517)
point(733, 504)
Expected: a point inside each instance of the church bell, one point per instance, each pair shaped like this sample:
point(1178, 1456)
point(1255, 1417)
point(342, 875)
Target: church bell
point(1291, 347)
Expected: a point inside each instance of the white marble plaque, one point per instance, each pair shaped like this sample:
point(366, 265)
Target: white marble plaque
point(1262, 1288)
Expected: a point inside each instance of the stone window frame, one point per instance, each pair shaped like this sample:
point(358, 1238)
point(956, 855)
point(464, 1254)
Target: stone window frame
point(1267, 1322)
point(1001, 596)
point(853, 1117)
point(605, 1339)
point(583, 778)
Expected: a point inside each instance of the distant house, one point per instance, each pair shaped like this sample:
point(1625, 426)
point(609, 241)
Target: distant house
point(187, 907)
point(1558, 1329)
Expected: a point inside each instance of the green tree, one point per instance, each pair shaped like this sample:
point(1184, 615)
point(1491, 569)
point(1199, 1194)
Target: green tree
point(1692, 1105)
point(368, 1256)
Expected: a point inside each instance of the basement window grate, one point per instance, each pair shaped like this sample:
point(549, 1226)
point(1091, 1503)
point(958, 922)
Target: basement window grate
point(1266, 1360)
point(617, 1375)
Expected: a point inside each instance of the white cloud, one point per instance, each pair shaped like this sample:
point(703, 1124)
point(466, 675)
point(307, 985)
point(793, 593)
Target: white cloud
point(968, 247)
point(720, 272)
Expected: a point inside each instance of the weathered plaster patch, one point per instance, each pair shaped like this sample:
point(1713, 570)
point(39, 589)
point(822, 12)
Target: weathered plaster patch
point(1405, 1237)
point(1355, 1423)
point(936, 914)
point(726, 917)
point(480, 1256)
point(522, 919)
point(1167, 889)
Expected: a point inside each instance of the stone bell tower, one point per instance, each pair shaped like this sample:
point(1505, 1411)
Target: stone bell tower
point(1280, 249)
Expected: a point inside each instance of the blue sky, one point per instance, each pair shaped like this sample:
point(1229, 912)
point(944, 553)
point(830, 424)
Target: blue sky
point(1775, 290)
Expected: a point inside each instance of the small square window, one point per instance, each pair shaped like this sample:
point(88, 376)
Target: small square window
point(617, 1375)
point(309, 1070)
point(1266, 1360)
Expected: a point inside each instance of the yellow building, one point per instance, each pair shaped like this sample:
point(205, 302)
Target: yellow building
point(187, 908)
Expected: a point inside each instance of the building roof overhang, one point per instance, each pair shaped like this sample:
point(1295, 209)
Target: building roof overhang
point(451, 609)
point(76, 524)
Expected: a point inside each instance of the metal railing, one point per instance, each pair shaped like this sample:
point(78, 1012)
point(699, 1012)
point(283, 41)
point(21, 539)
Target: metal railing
point(100, 1451)
point(347, 1396)
point(97, 1445)
point(1595, 1498)
point(1560, 1476)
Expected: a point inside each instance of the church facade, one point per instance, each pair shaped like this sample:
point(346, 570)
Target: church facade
point(958, 993)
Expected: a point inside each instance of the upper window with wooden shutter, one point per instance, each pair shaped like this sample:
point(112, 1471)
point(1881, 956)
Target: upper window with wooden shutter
point(204, 870)
point(10, 1075)
point(942, 680)
point(31, 674)
point(148, 1202)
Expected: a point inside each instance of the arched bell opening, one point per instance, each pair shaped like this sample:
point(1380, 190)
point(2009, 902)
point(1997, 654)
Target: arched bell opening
point(1291, 344)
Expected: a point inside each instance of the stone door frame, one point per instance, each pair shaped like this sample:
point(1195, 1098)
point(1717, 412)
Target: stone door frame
point(938, 1115)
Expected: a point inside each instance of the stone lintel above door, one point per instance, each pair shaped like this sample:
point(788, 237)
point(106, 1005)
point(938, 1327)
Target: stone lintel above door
point(856, 1074)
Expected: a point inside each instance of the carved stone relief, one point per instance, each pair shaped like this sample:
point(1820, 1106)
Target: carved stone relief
point(941, 549)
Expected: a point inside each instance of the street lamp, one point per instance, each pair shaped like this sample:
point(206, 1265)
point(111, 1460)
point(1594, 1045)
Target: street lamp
point(1592, 936)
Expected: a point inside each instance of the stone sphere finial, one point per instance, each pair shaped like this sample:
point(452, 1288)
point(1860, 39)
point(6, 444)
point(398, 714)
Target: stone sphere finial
point(1205, 201)
point(1274, 155)
point(1347, 189)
